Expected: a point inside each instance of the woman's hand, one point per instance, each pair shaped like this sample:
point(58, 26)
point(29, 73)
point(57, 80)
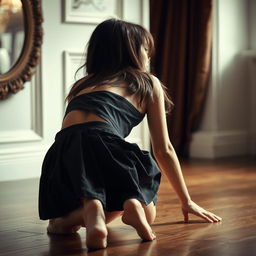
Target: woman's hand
point(195, 209)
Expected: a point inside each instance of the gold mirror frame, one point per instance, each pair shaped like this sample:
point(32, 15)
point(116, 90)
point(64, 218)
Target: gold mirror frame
point(24, 68)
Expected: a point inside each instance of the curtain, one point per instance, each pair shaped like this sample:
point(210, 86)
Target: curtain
point(182, 30)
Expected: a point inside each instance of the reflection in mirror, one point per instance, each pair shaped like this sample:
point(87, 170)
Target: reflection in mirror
point(11, 33)
point(20, 65)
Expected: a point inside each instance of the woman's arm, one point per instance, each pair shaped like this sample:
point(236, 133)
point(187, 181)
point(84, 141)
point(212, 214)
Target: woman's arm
point(162, 147)
point(166, 156)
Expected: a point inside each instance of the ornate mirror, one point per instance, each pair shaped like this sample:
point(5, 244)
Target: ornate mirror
point(20, 43)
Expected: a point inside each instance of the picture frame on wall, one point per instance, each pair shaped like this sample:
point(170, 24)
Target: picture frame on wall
point(91, 11)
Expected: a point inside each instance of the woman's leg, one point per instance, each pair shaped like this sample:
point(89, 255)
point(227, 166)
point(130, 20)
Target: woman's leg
point(94, 221)
point(90, 212)
point(135, 215)
point(92, 216)
point(69, 223)
point(110, 216)
point(150, 211)
point(74, 221)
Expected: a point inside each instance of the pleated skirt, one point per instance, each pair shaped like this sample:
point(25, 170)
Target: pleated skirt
point(90, 160)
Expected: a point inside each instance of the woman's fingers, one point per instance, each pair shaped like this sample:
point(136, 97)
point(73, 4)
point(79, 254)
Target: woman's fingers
point(200, 212)
point(207, 218)
point(185, 214)
point(219, 218)
point(215, 218)
point(212, 217)
point(204, 216)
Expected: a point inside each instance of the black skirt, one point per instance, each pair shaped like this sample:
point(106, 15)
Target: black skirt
point(91, 160)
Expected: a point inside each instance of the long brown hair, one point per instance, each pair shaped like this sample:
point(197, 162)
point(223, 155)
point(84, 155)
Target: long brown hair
point(114, 56)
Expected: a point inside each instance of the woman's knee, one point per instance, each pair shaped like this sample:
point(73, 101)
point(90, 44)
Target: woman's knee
point(150, 209)
point(131, 203)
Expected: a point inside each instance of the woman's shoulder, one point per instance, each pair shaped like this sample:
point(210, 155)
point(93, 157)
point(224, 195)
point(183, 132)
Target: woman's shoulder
point(157, 85)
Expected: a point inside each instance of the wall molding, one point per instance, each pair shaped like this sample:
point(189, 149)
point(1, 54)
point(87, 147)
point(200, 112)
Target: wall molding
point(36, 131)
point(213, 144)
point(72, 60)
point(22, 162)
point(23, 153)
point(37, 103)
point(19, 136)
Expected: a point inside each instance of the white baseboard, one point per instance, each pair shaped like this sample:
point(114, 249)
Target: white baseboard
point(21, 163)
point(210, 144)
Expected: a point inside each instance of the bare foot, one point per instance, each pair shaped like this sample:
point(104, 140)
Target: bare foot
point(96, 230)
point(96, 237)
point(57, 226)
point(134, 215)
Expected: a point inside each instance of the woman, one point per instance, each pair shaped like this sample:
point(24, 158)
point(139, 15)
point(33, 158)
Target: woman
point(91, 175)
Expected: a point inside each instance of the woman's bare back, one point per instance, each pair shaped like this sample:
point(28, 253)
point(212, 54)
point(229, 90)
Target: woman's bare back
point(83, 116)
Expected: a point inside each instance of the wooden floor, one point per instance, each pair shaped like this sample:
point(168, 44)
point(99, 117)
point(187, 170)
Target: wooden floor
point(226, 187)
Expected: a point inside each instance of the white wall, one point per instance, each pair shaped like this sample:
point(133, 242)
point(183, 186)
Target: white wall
point(252, 23)
point(30, 119)
point(251, 56)
point(225, 128)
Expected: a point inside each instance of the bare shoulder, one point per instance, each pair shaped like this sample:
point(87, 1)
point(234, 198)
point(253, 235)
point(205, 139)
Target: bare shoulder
point(157, 92)
point(157, 87)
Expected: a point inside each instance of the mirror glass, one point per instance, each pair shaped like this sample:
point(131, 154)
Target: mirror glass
point(12, 33)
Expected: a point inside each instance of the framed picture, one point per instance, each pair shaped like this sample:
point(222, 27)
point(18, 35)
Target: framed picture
point(91, 11)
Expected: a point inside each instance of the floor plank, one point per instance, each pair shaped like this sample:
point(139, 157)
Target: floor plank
point(226, 187)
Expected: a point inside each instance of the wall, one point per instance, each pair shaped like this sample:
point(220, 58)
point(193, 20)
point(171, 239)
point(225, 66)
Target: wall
point(225, 128)
point(251, 56)
point(252, 23)
point(30, 119)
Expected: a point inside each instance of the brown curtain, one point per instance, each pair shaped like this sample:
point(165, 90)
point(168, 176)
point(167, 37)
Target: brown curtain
point(182, 33)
